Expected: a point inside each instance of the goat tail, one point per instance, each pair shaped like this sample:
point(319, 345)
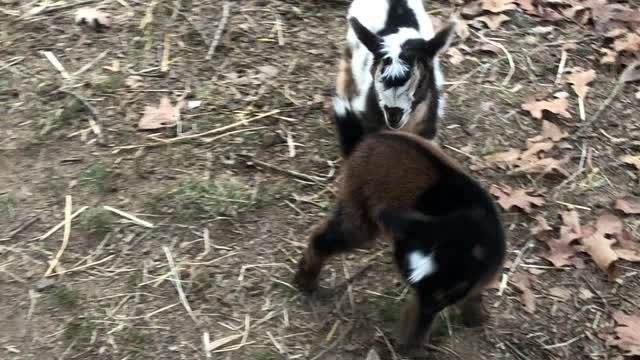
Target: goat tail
point(347, 124)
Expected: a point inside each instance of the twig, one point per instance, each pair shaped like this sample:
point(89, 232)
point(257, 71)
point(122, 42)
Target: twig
point(293, 173)
point(514, 266)
point(65, 236)
point(226, 6)
point(166, 52)
point(193, 136)
point(568, 342)
point(61, 224)
point(84, 266)
point(20, 228)
point(563, 62)
point(129, 216)
point(91, 63)
point(96, 126)
point(389, 346)
point(463, 79)
point(56, 64)
point(64, 7)
point(619, 85)
point(512, 65)
point(178, 283)
point(12, 62)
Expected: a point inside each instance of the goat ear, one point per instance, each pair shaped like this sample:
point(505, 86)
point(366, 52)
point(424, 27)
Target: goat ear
point(372, 41)
point(440, 42)
point(401, 221)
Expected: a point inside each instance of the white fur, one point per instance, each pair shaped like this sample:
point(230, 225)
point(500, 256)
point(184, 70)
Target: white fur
point(372, 14)
point(341, 106)
point(420, 266)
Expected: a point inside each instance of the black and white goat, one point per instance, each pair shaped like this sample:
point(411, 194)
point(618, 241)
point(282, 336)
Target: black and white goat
point(448, 240)
point(389, 70)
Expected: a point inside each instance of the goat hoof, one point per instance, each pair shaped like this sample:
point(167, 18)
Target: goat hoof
point(305, 282)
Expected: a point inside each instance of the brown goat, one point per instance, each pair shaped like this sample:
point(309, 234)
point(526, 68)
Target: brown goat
point(448, 240)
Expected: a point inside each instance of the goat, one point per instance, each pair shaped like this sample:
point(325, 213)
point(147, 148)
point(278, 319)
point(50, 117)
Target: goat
point(389, 68)
point(448, 240)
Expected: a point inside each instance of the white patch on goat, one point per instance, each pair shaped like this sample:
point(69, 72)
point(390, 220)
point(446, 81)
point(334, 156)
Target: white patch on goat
point(420, 266)
point(392, 48)
point(341, 106)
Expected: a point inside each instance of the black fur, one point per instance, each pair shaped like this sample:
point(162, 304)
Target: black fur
point(350, 131)
point(399, 15)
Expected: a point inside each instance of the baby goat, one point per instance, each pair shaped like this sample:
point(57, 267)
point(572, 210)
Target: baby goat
point(389, 69)
point(448, 241)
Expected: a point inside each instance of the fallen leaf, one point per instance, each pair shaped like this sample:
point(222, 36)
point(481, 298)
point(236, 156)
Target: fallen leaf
point(93, 17)
point(528, 7)
point(455, 56)
point(632, 160)
point(556, 106)
point(471, 9)
point(609, 57)
point(561, 251)
point(581, 81)
point(269, 70)
point(596, 243)
point(585, 294)
point(462, 29)
point(508, 198)
point(628, 204)
point(527, 298)
point(134, 81)
point(552, 131)
point(541, 226)
point(627, 333)
point(535, 148)
point(631, 73)
point(165, 115)
point(493, 21)
point(560, 293)
point(630, 43)
point(498, 6)
point(506, 156)
point(543, 166)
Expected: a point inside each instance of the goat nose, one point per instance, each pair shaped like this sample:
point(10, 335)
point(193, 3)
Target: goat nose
point(394, 114)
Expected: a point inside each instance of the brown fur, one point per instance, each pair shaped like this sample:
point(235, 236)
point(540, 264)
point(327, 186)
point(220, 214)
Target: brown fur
point(370, 182)
point(345, 86)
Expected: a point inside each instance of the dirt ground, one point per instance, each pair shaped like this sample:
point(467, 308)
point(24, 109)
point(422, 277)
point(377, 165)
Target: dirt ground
point(231, 208)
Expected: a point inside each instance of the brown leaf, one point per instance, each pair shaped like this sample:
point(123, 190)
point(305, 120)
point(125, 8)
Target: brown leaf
point(629, 43)
point(632, 160)
point(535, 148)
point(493, 21)
point(628, 248)
point(508, 198)
point(527, 298)
point(597, 244)
point(471, 9)
point(455, 56)
point(541, 226)
point(553, 131)
point(560, 293)
point(93, 17)
point(543, 166)
point(627, 336)
point(556, 106)
point(581, 81)
point(631, 73)
point(506, 156)
point(609, 57)
point(165, 115)
point(462, 29)
point(528, 7)
point(498, 6)
point(560, 251)
point(628, 204)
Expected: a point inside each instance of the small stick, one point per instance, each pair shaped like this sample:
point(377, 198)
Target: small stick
point(279, 30)
point(96, 126)
point(12, 62)
point(61, 224)
point(64, 7)
point(84, 266)
point(178, 283)
point(514, 266)
point(334, 344)
point(619, 85)
point(129, 216)
point(583, 115)
point(226, 6)
point(293, 173)
point(563, 62)
point(166, 51)
point(90, 64)
point(210, 132)
point(54, 61)
point(512, 65)
point(20, 228)
point(65, 236)
point(573, 205)
point(206, 340)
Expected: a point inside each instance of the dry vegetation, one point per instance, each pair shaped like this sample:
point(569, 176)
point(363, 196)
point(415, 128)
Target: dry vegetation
point(180, 242)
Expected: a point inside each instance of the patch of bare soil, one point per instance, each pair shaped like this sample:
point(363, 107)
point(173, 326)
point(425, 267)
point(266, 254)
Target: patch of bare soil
point(211, 215)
